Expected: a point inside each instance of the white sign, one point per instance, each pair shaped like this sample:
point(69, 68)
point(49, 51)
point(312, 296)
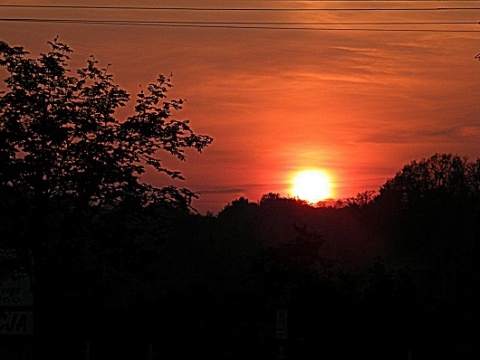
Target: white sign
point(16, 322)
point(282, 324)
point(16, 292)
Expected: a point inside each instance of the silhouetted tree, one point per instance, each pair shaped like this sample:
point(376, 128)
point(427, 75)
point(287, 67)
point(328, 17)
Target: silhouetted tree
point(303, 253)
point(65, 158)
point(361, 200)
point(428, 214)
point(441, 177)
point(59, 137)
point(433, 201)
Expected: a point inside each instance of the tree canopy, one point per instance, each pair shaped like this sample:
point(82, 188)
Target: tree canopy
point(436, 178)
point(60, 139)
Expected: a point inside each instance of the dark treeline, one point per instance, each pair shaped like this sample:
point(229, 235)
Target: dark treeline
point(372, 277)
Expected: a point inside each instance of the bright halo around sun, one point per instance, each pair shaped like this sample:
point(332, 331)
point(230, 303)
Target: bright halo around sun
point(311, 186)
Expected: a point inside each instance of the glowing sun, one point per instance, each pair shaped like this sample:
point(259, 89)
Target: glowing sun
point(311, 186)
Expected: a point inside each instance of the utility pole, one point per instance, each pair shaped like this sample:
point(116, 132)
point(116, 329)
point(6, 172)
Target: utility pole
point(151, 354)
point(87, 351)
point(282, 327)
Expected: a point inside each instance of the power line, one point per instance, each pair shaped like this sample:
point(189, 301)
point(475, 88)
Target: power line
point(235, 9)
point(259, 23)
point(226, 25)
point(256, 25)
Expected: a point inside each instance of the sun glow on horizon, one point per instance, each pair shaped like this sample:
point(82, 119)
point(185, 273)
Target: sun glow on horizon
point(311, 186)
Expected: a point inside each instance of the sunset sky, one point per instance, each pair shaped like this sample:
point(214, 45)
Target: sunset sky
point(356, 88)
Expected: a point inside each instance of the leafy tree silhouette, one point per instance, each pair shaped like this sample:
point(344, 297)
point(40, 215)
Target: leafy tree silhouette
point(59, 136)
point(63, 153)
point(438, 178)
point(433, 202)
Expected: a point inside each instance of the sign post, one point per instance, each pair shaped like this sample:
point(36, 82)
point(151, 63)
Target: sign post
point(282, 319)
point(16, 319)
point(282, 332)
point(16, 307)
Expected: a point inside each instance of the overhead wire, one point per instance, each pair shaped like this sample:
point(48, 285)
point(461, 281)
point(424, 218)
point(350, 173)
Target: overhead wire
point(249, 9)
point(317, 26)
point(259, 25)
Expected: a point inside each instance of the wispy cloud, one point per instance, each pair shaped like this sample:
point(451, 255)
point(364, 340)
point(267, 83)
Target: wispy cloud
point(358, 103)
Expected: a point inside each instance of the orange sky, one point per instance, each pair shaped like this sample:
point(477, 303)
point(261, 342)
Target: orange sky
point(359, 104)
